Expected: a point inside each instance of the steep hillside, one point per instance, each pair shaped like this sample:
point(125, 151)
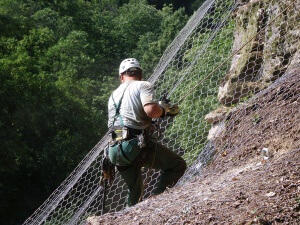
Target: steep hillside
point(241, 185)
point(254, 177)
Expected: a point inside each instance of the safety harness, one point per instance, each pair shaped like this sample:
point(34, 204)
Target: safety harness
point(107, 168)
point(117, 134)
point(118, 107)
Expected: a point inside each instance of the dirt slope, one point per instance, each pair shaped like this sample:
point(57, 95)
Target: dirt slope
point(239, 186)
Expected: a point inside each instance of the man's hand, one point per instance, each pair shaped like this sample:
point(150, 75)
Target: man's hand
point(169, 109)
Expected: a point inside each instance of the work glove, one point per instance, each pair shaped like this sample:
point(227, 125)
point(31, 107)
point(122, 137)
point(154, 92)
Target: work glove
point(169, 109)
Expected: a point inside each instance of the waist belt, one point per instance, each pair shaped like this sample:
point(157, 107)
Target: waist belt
point(123, 133)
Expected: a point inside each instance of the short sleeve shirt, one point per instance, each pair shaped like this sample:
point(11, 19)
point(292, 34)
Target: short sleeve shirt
point(136, 95)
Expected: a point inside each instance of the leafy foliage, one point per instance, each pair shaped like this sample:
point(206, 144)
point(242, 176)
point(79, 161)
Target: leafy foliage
point(59, 62)
point(150, 48)
point(208, 57)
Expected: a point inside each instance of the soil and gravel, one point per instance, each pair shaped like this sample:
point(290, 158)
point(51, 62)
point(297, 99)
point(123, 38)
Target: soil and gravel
point(239, 186)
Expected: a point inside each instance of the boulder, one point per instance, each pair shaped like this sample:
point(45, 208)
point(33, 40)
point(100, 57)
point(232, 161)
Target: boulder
point(215, 131)
point(235, 92)
point(217, 116)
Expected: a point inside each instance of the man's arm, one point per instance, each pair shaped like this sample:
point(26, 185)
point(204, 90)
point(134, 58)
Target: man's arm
point(153, 110)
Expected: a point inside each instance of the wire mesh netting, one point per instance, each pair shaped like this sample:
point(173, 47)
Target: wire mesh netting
point(228, 52)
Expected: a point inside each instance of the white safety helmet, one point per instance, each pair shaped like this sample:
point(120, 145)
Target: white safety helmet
point(127, 64)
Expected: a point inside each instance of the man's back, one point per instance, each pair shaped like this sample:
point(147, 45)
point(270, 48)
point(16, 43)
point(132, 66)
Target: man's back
point(136, 95)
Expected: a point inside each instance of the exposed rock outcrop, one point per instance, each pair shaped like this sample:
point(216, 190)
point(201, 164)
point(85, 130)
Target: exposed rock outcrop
point(274, 49)
point(268, 55)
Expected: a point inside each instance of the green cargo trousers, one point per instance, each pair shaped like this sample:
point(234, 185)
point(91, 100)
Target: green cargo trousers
point(172, 167)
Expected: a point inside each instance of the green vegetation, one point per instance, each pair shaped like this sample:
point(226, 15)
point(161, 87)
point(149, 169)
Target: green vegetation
point(189, 128)
point(256, 119)
point(58, 64)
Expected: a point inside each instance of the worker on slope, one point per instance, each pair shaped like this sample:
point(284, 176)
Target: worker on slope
point(131, 109)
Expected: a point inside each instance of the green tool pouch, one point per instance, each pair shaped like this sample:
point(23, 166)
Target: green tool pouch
point(123, 153)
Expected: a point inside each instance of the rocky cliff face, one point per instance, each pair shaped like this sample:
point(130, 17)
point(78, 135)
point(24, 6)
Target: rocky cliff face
point(273, 26)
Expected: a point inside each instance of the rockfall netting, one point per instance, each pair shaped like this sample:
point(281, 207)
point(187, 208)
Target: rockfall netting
point(227, 54)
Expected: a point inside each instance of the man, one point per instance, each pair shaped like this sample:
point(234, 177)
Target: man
point(131, 109)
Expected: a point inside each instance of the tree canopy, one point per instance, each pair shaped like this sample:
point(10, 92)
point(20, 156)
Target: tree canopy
point(59, 63)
